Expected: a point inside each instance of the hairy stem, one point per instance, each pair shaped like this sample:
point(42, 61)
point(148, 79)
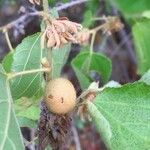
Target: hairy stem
point(8, 40)
point(45, 6)
point(92, 42)
point(48, 51)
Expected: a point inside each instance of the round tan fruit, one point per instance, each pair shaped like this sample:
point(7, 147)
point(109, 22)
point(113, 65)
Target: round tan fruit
point(60, 96)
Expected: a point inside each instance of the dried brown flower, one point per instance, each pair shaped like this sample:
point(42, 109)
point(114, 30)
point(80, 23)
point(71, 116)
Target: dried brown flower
point(61, 31)
point(83, 36)
point(38, 2)
point(112, 24)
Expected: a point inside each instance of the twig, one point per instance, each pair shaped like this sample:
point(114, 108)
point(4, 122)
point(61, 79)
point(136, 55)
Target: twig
point(27, 143)
point(70, 4)
point(93, 32)
point(48, 51)
point(17, 21)
point(13, 75)
point(128, 45)
point(92, 42)
point(124, 37)
point(76, 137)
point(36, 13)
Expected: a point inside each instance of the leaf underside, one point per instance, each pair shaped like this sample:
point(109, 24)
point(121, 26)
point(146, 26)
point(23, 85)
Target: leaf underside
point(127, 110)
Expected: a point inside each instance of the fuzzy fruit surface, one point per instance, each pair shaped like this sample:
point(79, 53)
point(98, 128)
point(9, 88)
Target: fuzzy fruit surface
point(60, 96)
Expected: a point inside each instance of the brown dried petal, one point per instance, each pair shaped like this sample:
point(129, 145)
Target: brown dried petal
point(56, 36)
point(35, 2)
point(63, 40)
point(51, 41)
point(83, 37)
point(63, 18)
point(69, 37)
point(31, 1)
point(70, 26)
point(112, 24)
point(49, 31)
point(59, 26)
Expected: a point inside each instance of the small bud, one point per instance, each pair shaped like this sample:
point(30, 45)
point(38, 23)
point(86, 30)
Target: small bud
point(45, 63)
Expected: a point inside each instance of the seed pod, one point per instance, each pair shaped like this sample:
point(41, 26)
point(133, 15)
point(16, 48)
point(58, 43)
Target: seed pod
point(60, 96)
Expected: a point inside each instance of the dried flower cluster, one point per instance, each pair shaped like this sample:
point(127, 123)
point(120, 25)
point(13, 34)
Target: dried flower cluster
point(38, 2)
point(83, 36)
point(61, 31)
point(112, 24)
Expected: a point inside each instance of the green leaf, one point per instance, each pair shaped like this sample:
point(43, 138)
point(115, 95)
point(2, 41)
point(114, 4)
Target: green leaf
point(10, 135)
point(28, 108)
point(146, 14)
point(85, 62)
point(25, 122)
point(7, 62)
point(32, 112)
point(101, 123)
point(27, 56)
point(48, 148)
point(59, 58)
point(54, 13)
point(126, 110)
point(131, 8)
point(141, 35)
point(88, 19)
point(146, 77)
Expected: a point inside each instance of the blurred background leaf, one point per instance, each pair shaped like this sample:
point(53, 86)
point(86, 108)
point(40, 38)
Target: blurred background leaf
point(141, 34)
point(85, 62)
point(132, 8)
